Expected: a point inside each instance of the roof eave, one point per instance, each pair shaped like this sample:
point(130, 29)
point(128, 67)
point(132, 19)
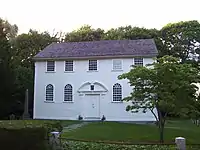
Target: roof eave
point(92, 57)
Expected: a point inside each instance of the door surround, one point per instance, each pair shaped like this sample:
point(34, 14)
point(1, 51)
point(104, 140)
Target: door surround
point(92, 106)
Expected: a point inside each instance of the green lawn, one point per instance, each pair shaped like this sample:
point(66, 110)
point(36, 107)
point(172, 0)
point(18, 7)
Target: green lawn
point(114, 131)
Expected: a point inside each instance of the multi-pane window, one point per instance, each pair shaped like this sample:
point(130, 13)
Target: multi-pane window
point(117, 64)
point(69, 65)
point(49, 92)
point(117, 92)
point(50, 65)
point(138, 61)
point(68, 93)
point(92, 65)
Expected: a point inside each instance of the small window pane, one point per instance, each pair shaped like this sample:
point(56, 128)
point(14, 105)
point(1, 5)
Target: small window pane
point(49, 92)
point(92, 64)
point(50, 65)
point(68, 93)
point(92, 87)
point(138, 61)
point(69, 65)
point(117, 64)
point(117, 92)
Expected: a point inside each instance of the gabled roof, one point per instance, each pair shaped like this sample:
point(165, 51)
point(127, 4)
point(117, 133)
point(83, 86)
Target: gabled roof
point(104, 48)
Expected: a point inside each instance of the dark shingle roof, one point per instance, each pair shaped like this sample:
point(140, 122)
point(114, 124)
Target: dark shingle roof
point(104, 48)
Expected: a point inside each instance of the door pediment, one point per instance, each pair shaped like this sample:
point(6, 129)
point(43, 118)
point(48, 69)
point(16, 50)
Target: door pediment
point(97, 87)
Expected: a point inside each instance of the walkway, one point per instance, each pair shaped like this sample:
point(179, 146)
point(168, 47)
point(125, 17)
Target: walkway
point(74, 126)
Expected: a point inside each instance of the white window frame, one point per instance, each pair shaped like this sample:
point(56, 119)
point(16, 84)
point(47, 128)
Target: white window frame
point(89, 65)
point(72, 100)
point(65, 66)
point(116, 94)
point(113, 69)
point(54, 66)
point(46, 93)
point(138, 63)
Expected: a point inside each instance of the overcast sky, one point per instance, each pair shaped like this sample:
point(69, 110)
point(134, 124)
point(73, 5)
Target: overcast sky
point(67, 15)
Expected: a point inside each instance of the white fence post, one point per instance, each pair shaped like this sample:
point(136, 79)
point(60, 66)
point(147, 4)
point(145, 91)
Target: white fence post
point(54, 140)
point(180, 142)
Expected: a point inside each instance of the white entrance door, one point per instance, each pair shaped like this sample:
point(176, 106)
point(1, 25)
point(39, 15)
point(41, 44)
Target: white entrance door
point(92, 106)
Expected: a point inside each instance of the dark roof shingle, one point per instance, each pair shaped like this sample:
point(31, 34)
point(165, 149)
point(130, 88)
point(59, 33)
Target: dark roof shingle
point(109, 48)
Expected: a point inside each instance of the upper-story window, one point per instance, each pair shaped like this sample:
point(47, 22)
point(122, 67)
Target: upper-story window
point(92, 65)
point(50, 66)
point(69, 65)
point(138, 61)
point(117, 64)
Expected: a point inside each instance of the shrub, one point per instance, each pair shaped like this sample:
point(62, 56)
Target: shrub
point(26, 135)
point(76, 145)
point(23, 139)
point(102, 146)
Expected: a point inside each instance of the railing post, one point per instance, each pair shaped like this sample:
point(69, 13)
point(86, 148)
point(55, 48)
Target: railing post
point(180, 142)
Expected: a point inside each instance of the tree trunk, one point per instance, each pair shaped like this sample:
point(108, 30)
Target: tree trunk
point(161, 129)
point(161, 124)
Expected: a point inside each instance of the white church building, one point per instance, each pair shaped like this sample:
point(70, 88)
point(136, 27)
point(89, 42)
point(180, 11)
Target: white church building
point(80, 79)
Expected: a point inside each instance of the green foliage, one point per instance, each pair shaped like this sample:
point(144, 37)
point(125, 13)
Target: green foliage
point(6, 72)
point(166, 85)
point(181, 39)
point(18, 124)
point(9, 29)
point(23, 139)
point(85, 33)
point(29, 134)
point(28, 45)
point(72, 145)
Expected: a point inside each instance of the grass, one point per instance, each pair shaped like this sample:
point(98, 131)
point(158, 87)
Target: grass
point(114, 131)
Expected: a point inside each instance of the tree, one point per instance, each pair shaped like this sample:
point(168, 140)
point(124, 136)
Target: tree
point(25, 46)
point(131, 33)
point(9, 30)
point(182, 40)
point(165, 86)
point(84, 33)
point(135, 33)
point(6, 73)
point(28, 45)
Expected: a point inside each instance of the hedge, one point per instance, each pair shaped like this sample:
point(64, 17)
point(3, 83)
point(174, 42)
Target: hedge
point(26, 135)
point(75, 145)
point(23, 139)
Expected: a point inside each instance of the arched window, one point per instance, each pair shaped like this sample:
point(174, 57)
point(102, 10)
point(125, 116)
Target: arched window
point(49, 92)
point(117, 92)
point(68, 93)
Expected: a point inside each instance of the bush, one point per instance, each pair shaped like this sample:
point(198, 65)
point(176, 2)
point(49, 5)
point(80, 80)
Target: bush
point(26, 135)
point(102, 146)
point(75, 145)
point(23, 139)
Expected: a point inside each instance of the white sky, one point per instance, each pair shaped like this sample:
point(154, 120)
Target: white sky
point(67, 15)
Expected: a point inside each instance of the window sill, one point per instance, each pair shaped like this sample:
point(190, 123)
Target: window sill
point(117, 102)
point(92, 71)
point(117, 70)
point(50, 72)
point(68, 71)
point(68, 101)
point(49, 101)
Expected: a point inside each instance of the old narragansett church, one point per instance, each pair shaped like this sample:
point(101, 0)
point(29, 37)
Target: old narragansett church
point(76, 79)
